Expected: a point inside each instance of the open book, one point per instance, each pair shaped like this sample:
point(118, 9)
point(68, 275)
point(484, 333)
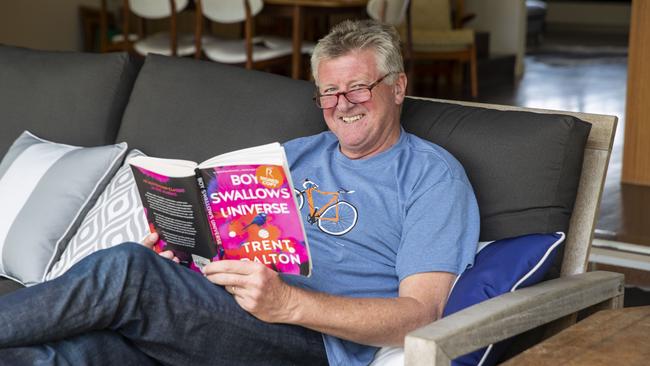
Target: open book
point(238, 205)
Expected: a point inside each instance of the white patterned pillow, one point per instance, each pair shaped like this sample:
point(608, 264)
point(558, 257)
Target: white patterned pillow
point(46, 189)
point(117, 217)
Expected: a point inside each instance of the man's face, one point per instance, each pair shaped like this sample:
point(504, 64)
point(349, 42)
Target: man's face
point(367, 128)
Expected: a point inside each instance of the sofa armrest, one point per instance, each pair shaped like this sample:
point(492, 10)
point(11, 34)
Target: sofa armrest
point(508, 315)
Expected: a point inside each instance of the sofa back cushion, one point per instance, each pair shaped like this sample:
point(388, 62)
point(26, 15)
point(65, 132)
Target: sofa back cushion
point(525, 167)
point(68, 97)
point(187, 109)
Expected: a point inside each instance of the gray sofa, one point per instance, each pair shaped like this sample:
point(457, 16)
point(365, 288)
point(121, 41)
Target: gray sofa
point(525, 167)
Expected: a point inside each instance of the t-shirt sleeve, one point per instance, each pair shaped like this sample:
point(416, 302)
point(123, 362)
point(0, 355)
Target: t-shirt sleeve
point(441, 230)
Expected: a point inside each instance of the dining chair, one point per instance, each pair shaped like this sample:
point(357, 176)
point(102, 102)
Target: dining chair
point(111, 38)
point(251, 51)
point(394, 12)
point(169, 42)
point(435, 33)
point(388, 11)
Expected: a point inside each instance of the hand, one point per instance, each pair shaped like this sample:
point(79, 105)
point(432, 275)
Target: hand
point(256, 288)
point(150, 240)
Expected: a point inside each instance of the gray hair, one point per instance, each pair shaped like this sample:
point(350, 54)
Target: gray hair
point(349, 36)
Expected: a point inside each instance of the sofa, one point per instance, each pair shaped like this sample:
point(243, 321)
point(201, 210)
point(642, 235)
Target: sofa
point(529, 169)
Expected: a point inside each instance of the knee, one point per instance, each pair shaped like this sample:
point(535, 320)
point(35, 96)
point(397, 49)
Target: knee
point(123, 254)
point(129, 249)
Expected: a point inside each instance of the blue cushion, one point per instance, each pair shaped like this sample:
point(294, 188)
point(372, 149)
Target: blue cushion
point(501, 266)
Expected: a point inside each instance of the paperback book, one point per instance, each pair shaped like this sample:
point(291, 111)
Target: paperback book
point(239, 205)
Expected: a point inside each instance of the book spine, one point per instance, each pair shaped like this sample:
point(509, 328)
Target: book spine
point(212, 223)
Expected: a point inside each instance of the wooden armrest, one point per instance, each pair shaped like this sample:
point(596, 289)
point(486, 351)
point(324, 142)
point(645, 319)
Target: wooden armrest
point(508, 315)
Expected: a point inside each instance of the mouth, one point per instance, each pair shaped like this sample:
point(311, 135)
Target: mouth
point(351, 119)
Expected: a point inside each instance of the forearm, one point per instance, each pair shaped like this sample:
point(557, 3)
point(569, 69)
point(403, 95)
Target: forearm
point(377, 322)
point(261, 292)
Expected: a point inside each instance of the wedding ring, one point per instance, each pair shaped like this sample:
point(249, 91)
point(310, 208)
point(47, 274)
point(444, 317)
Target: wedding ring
point(232, 290)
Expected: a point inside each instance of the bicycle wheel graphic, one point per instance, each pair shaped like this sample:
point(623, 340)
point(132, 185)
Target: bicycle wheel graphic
point(300, 198)
point(346, 221)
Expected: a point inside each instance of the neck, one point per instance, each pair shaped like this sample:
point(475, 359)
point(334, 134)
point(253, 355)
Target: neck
point(391, 137)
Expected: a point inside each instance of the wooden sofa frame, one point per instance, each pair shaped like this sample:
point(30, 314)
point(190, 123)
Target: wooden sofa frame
point(553, 303)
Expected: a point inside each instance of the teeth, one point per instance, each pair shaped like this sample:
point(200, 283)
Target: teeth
point(352, 119)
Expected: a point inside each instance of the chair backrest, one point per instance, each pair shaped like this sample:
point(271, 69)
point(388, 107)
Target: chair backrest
point(230, 11)
point(156, 9)
point(592, 180)
point(388, 11)
point(431, 14)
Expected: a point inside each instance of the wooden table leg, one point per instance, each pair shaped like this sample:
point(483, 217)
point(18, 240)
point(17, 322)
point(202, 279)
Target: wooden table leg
point(296, 57)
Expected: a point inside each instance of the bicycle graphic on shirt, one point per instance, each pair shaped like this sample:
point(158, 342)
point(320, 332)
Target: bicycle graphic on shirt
point(336, 217)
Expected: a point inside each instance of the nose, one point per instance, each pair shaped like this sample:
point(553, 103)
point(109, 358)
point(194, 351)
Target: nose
point(343, 103)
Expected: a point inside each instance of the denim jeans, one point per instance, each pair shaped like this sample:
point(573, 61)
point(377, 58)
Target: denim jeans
point(128, 303)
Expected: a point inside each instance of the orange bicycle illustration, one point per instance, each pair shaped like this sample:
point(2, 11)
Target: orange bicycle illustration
point(336, 217)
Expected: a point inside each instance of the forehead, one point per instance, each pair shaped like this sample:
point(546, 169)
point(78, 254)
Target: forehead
point(353, 66)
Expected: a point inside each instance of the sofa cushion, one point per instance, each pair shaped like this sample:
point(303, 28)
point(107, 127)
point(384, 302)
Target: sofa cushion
point(46, 189)
point(525, 167)
point(69, 97)
point(499, 267)
point(117, 217)
point(188, 109)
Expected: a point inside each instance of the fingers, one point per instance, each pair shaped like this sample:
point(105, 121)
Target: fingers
point(169, 255)
point(150, 240)
point(242, 275)
point(234, 290)
point(227, 279)
point(232, 266)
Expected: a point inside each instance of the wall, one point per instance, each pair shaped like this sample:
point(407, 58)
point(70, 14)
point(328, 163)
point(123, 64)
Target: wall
point(42, 24)
point(506, 22)
point(589, 15)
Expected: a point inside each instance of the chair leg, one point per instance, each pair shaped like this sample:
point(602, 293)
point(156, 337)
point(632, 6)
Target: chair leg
point(473, 72)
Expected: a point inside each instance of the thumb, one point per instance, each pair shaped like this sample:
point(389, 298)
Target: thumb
point(150, 240)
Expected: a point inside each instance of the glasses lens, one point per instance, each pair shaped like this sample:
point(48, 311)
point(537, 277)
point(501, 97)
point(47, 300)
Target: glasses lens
point(353, 96)
point(358, 96)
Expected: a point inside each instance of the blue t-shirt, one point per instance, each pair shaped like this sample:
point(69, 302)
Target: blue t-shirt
point(407, 210)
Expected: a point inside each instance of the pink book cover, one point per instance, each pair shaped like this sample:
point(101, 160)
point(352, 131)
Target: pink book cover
point(255, 211)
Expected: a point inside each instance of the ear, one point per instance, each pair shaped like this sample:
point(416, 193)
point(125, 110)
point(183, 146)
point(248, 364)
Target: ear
point(399, 88)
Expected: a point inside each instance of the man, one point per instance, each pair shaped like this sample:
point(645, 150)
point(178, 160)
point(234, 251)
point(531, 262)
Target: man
point(417, 229)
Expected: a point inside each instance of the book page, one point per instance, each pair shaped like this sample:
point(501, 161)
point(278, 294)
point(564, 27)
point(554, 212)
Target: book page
point(264, 154)
point(165, 167)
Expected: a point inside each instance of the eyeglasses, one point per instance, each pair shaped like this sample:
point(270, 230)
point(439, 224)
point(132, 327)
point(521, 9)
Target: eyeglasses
point(354, 96)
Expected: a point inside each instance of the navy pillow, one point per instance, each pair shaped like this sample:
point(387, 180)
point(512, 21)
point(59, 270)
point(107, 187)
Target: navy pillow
point(501, 266)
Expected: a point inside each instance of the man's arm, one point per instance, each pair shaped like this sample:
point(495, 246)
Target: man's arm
point(372, 321)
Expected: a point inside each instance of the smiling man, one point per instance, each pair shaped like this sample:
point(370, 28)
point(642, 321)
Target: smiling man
point(360, 107)
point(409, 226)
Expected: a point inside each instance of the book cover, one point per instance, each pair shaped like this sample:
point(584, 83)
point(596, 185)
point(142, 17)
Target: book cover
point(257, 216)
point(172, 206)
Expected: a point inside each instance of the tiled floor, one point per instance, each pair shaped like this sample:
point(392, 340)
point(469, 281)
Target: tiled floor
point(586, 73)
